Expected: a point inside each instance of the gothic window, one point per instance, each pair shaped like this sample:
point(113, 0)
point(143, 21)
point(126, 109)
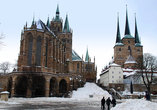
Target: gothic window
point(46, 53)
point(30, 50)
point(38, 51)
point(129, 48)
point(77, 65)
point(119, 49)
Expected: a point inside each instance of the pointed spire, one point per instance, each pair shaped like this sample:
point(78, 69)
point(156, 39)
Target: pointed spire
point(87, 56)
point(66, 25)
point(57, 14)
point(137, 40)
point(127, 29)
point(118, 37)
point(33, 21)
point(48, 23)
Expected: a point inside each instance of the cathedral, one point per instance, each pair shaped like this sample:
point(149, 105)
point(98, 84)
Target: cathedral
point(47, 64)
point(128, 50)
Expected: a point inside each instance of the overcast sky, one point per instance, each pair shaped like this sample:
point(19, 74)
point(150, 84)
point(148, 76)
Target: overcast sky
point(94, 24)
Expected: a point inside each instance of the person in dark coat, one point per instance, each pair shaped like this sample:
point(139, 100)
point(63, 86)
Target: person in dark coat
point(147, 96)
point(108, 102)
point(103, 103)
point(113, 102)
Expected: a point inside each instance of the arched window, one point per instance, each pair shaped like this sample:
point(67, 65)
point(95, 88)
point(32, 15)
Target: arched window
point(46, 53)
point(129, 48)
point(38, 51)
point(77, 65)
point(30, 50)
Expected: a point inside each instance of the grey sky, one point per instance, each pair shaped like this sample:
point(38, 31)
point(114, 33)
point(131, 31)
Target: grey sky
point(94, 24)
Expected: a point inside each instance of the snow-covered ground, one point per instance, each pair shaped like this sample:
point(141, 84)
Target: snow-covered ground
point(81, 97)
point(136, 104)
point(90, 89)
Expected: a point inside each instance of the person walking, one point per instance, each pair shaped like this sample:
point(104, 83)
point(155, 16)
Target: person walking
point(103, 103)
point(108, 102)
point(113, 102)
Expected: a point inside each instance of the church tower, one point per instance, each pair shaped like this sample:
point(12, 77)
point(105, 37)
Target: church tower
point(128, 44)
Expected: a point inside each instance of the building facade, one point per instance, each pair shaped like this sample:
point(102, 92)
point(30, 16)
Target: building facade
point(128, 46)
point(112, 75)
point(47, 64)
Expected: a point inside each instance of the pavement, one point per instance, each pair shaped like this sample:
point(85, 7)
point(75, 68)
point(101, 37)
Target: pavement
point(53, 106)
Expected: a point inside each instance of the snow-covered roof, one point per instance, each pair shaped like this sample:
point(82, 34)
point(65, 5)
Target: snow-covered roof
point(119, 44)
point(114, 64)
point(40, 26)
point(130, 59)
point(75, 56)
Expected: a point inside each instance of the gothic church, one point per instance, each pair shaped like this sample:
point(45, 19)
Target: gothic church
point(47, 64)
point(127, 51)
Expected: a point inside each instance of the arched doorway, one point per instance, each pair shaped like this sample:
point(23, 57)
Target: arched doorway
point(21, 86)
point(89, 77)
point(62, 86)
point(38, 86)
point(53, 87)
point(9, 86)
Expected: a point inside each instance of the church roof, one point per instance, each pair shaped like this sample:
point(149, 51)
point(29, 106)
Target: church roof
point(75, 56)
point(127, 29)
point(66, 25)
point(118, 37)
point(57, 14)
point(130, 59)
point(137, 40)
point(40, 25)
point(87, 56)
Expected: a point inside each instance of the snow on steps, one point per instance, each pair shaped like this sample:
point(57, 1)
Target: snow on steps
point(91, 89)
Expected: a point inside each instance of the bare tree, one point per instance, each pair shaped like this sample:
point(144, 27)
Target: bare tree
point(5, 66)
point(35, 80)
point(147, 66)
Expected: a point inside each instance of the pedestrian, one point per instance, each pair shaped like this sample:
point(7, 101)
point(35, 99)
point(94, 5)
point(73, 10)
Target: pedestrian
point(113, 102)
point(108, 103)
point(147, 96)
point(103, 103)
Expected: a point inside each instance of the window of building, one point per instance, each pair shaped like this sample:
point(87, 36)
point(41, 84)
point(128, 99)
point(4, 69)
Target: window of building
point(112, 72)
point(119, 76)
point(119, 49)
point(113, 81)
point(119, 72)
point(38, 51)
point(46, 53)
point(138, 50)
point(77, 65)
point(120, 81)
point(112, 76)
point(129, 42)
point(30, 50)
point(129, 48)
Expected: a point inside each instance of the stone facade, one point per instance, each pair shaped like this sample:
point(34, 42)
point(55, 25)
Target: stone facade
point(127, 46)
point(121, 53)
point(47, 65)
